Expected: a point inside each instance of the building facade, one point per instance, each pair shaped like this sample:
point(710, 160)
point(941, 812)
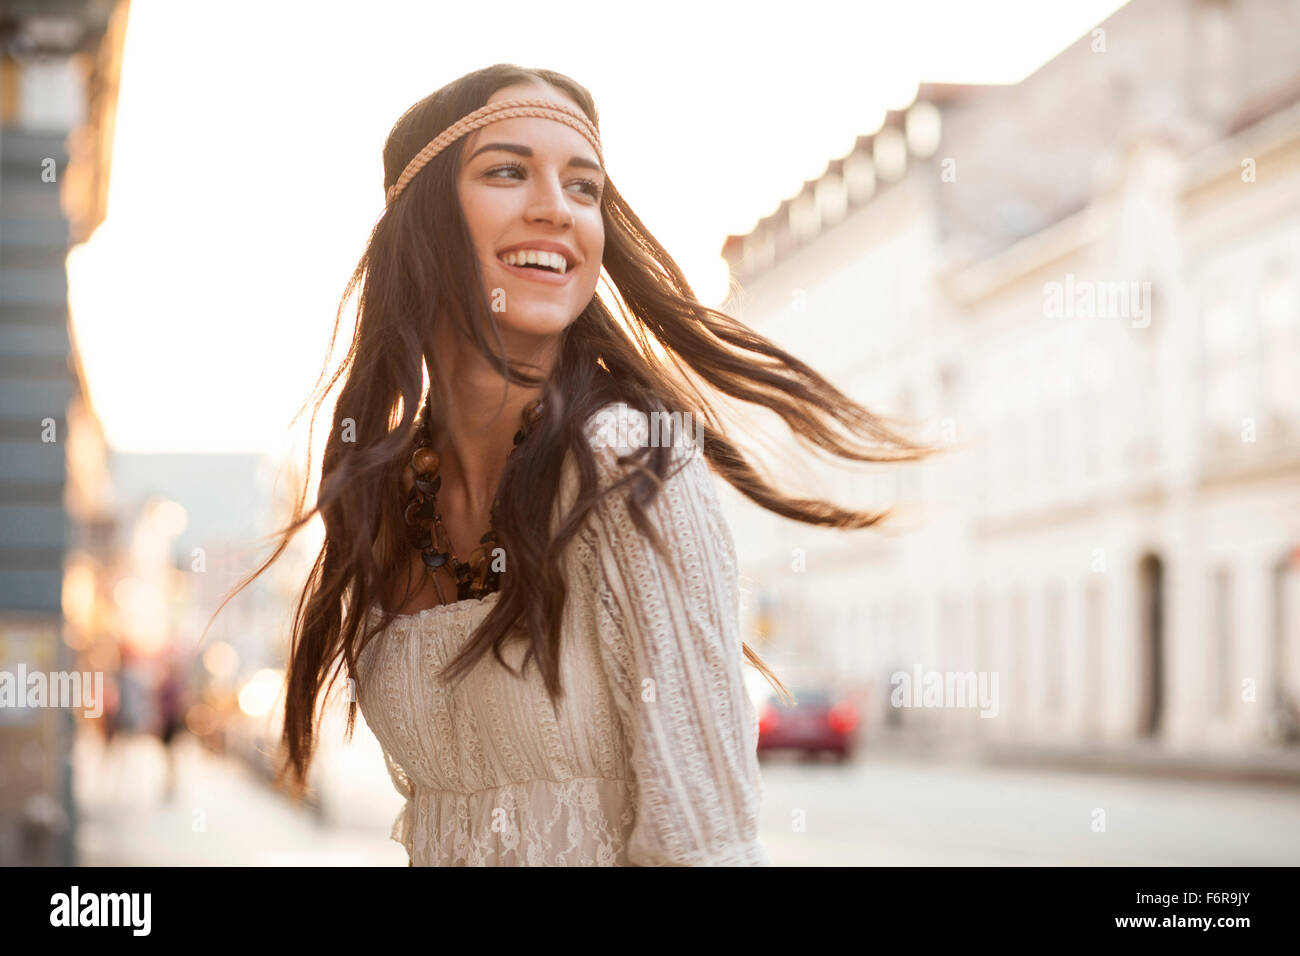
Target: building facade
point(1084, 286)
point(59, 63)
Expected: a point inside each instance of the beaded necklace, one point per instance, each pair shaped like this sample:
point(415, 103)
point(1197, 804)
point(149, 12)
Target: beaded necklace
point(476, 577)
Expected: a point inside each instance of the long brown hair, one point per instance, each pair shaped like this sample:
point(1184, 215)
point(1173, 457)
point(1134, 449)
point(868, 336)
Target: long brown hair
point(419, 268)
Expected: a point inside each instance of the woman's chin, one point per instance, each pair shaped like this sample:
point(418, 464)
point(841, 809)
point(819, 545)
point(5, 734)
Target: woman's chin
point(534, 325)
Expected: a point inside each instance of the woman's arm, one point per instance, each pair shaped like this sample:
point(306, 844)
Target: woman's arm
point(671, 650)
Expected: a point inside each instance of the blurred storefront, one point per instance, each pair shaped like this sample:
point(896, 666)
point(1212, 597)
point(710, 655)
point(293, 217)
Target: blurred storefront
point(59, 68)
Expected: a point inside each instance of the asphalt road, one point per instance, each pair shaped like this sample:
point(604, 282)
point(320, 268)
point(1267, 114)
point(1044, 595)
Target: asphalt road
point(895, 811)
point(878, 811)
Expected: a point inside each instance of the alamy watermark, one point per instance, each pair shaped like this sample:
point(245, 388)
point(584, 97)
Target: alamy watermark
point(920, 688)
point(74, 908)
point(622, 427)
point(56, 689)
point(1089, 299)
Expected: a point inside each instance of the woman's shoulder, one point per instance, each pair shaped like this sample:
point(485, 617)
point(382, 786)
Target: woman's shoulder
point(622, 428)
point(618, 426)
point(685, 501)
point(617, 431)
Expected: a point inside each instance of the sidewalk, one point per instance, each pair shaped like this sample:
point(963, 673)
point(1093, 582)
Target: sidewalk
point(221, 814)
point(1137, 758)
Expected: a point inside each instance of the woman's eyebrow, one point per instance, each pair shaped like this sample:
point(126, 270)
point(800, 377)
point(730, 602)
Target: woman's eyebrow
point(527, 151)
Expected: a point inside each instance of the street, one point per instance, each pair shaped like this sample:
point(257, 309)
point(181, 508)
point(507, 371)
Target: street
point(880, 810)
point(892, 811)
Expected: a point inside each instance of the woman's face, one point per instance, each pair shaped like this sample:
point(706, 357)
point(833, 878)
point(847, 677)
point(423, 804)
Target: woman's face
point(533, 183)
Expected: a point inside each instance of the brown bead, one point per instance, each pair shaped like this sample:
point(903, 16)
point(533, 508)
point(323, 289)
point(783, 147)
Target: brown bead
point(424, 461)
point(533, 411)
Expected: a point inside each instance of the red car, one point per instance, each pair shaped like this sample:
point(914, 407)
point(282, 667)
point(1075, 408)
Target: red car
point(817, 722)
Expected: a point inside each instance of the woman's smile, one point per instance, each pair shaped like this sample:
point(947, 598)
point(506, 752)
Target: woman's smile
point(536, 274)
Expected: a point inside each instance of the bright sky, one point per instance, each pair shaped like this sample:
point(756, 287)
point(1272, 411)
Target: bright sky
point(246, 172)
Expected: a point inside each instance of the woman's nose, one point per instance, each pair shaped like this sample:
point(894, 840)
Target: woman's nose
point(549, 205)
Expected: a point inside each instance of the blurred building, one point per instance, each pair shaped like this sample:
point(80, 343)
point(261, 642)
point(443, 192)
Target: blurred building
point(1086, 284)
point(59, 64)
point(227, 503)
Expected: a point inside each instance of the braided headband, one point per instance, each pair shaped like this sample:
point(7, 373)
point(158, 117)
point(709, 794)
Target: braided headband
point(492, 113)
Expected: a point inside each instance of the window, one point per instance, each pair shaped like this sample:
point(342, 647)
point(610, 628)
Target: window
point(831, 200)
point(859, 177)
point(1279, 313)
point(1094, 633)
point(1221, 665)
point(1053, 652)
point(805, 221)
point(1018, 660)
point(1229, 378)
point(889, 150)
point(923, 127)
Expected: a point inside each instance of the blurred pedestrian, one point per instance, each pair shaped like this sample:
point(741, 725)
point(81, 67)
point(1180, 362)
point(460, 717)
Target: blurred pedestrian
point(170, 715)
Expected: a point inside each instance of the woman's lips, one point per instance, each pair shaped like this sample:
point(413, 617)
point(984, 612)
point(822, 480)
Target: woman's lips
point(545, 276)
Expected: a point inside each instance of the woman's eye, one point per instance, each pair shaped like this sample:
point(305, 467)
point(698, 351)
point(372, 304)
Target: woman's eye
point(511, 166)
point(590, 187)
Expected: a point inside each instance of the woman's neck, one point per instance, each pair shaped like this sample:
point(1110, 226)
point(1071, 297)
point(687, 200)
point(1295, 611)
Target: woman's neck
point(477, 428)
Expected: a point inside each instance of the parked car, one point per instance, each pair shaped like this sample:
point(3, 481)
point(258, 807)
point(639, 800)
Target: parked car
point(819, 721)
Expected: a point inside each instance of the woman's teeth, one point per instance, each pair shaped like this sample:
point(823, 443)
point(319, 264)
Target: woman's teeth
point(535, 257)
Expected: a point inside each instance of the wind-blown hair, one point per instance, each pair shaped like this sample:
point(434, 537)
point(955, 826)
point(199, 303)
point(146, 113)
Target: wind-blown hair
point(660, 356)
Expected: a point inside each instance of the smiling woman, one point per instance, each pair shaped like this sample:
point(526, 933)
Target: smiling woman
point(530, 189)
point(593, 541)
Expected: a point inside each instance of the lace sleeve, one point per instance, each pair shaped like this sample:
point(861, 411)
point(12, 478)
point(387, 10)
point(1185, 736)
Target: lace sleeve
point(671, 652)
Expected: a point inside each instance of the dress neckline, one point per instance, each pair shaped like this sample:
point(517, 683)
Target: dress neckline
point(438, 610)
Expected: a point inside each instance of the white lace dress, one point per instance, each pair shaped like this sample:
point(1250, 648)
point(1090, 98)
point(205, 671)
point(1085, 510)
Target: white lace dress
point(650, 757)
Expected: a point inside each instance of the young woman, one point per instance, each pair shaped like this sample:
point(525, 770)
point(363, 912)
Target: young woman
point(547, 498)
